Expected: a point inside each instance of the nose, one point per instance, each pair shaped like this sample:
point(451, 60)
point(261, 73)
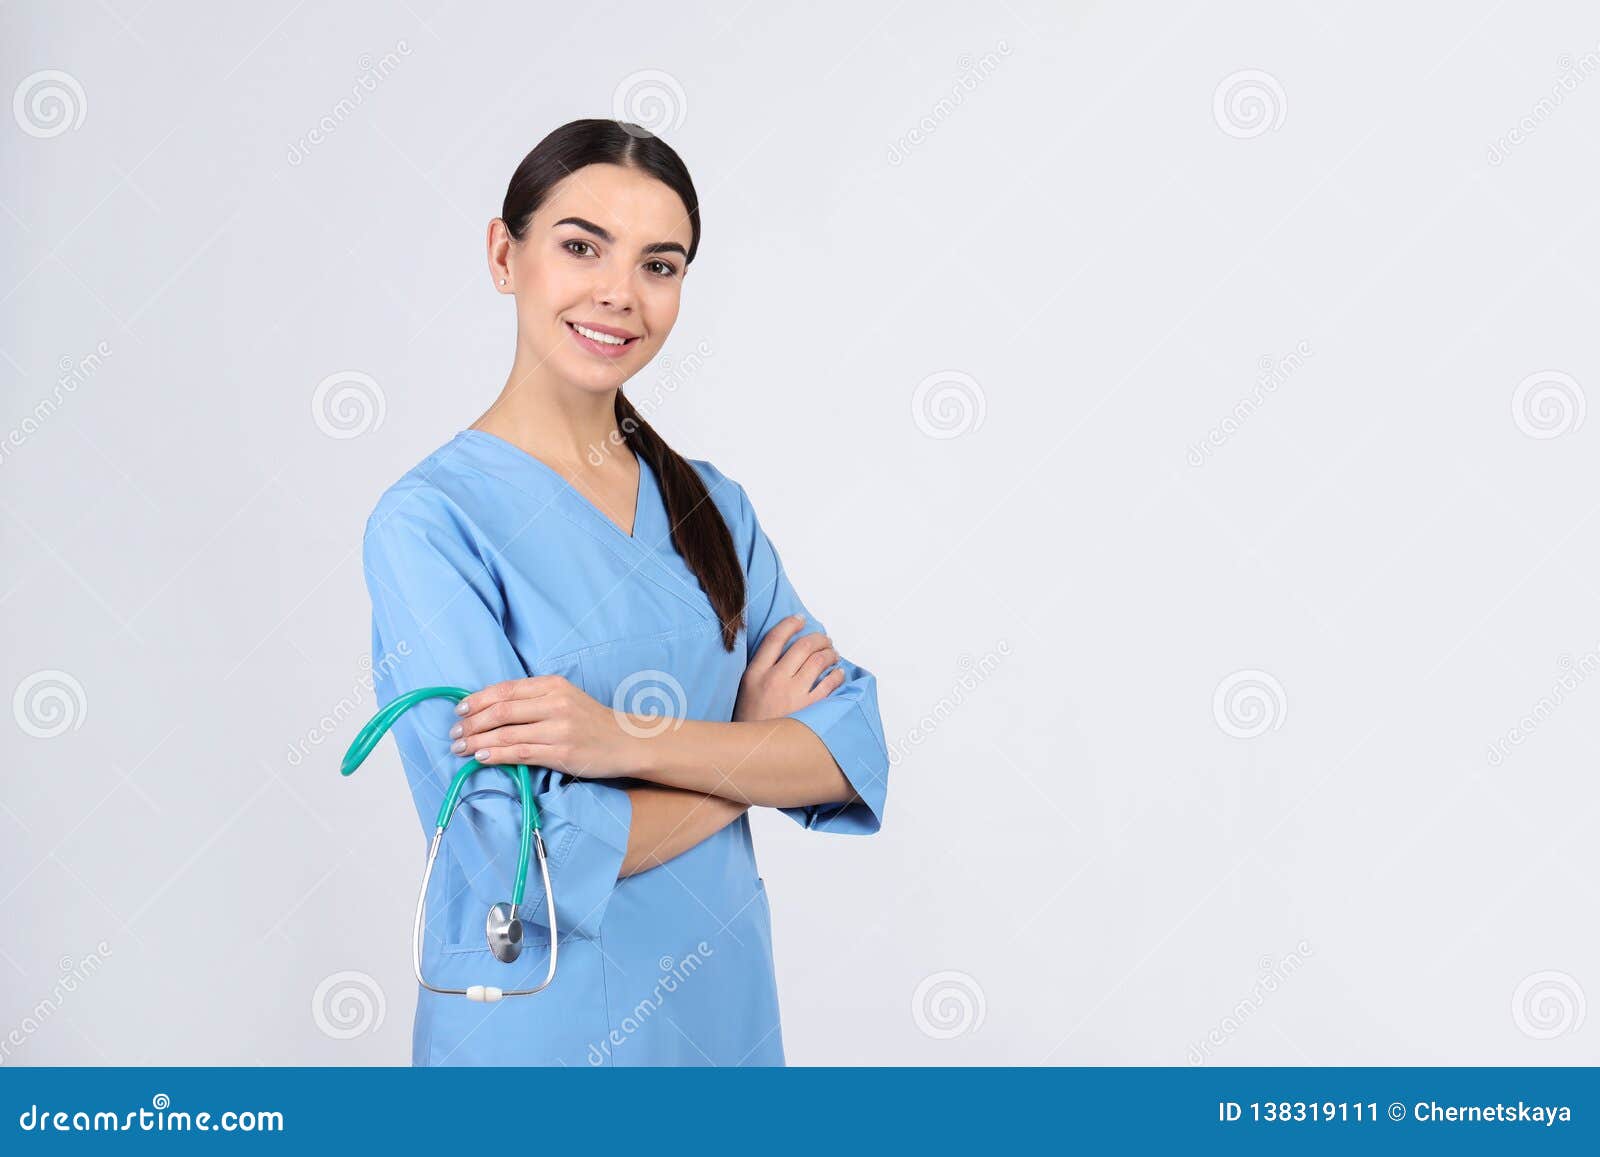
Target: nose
point(614, 292)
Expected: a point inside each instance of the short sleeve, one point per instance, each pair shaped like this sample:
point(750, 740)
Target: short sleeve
point(438, 620)
point(847, 721)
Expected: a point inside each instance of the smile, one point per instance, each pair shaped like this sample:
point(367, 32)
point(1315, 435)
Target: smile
point(601, 342)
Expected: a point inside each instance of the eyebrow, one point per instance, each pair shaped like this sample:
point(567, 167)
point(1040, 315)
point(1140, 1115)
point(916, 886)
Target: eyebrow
point(604, 235)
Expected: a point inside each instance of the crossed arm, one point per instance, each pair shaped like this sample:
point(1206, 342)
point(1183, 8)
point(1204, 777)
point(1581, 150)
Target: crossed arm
point(699, 775)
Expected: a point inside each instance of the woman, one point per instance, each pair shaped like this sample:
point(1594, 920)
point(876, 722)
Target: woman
point(637, 645)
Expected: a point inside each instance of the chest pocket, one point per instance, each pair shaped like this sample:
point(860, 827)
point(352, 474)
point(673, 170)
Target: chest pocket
point(680, 674)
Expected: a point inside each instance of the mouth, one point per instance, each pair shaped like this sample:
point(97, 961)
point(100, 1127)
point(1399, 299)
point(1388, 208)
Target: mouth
point(605, 341)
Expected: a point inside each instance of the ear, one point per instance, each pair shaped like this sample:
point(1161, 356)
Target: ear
point(499, 248)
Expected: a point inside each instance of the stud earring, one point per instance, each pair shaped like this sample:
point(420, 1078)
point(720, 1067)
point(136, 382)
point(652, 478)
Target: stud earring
point(502, 281)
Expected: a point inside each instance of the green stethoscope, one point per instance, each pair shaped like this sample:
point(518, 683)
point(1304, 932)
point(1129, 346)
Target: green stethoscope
point(504, 927)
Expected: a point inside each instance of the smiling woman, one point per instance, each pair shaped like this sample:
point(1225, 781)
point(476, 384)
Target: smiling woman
point(626, 630)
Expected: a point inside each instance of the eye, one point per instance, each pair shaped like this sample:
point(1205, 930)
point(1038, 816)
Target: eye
point(566, 245)
point(667, 268)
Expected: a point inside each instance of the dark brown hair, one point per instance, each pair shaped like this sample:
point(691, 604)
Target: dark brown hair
point(699, 533)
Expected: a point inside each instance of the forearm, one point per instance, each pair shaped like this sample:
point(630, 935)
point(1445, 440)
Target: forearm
point(668, 821)
point(766, 763)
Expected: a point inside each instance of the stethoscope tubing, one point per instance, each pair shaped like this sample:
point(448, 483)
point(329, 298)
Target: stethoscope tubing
point(481, 992)
point(532, 841)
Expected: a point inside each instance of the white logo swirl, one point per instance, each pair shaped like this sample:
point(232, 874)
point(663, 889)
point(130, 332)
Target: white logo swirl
point(347, 1005)
point(1548, 1004)
point(1249, 103)
point(1249, 703)
point(348, 404)
point(654, 694)
point(651, 100)
point(948, 1004)
point(1548, 404)
point(49, 703)
point(948, 404)
point(47, 104)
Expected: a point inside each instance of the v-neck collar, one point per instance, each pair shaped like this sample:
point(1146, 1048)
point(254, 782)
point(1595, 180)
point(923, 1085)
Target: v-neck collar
point(644, 500)
point(640, 552)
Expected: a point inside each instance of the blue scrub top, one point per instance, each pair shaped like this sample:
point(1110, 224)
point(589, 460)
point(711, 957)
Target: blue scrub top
point(484, 564)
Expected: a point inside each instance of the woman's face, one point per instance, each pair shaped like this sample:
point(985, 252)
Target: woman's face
point(604, 252)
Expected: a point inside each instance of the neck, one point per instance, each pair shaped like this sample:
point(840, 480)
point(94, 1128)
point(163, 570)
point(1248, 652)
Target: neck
point(551, 418)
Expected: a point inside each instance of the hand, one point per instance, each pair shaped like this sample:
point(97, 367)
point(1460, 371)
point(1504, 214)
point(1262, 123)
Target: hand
point(545, 721)
point(778, 682)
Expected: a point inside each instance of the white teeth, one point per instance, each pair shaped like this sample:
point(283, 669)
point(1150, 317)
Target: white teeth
point(602, 338)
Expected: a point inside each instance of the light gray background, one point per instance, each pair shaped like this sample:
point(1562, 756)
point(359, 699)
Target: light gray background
point(1087, 858)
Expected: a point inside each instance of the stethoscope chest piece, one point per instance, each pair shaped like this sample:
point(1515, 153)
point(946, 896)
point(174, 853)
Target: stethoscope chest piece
point(505, 932)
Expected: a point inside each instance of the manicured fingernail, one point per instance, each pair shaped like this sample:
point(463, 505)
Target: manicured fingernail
point(459, 746)
point(462, 708)
point(481, 755)
point(455, 732)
